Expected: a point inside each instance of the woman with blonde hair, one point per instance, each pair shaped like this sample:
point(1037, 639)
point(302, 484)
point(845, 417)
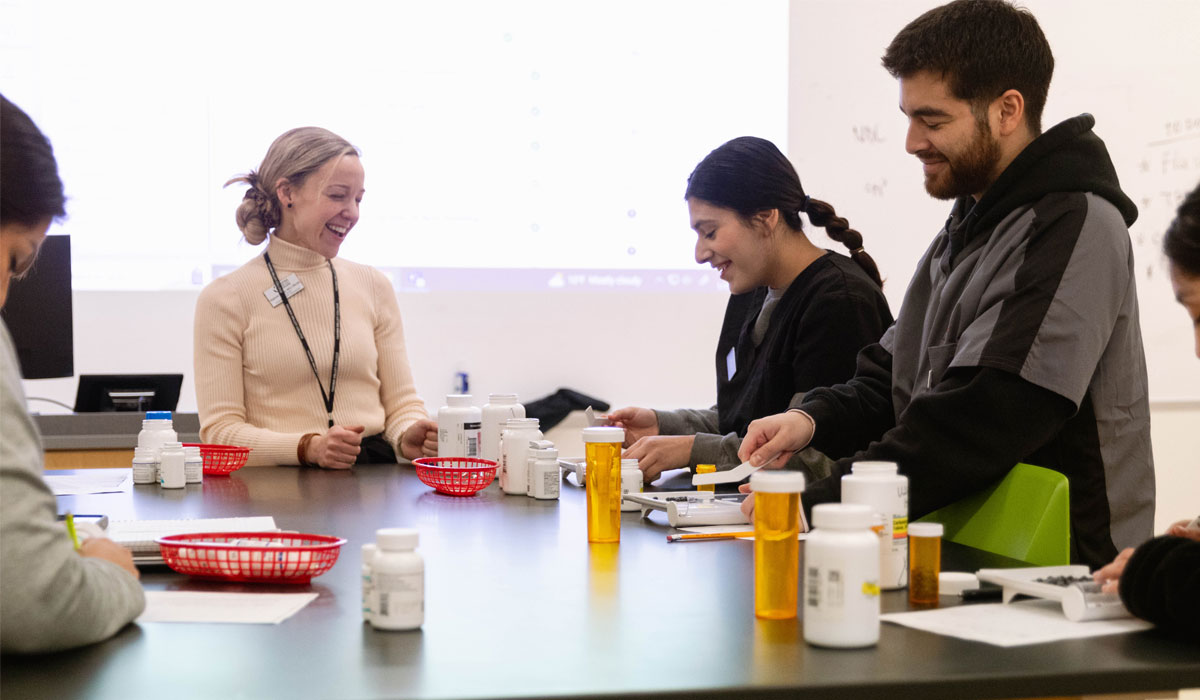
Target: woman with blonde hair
point(283, 366)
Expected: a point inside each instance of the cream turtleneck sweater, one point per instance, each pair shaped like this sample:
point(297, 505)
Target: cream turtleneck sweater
point(254, 386)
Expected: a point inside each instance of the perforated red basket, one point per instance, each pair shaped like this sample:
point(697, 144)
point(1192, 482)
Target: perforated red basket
point(456, 476)
point(264, 557)
point(220, 460)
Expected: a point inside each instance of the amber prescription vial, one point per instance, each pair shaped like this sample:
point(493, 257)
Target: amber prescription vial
point(925, 562)
point(706, 469)
point(602, 448)
point(776, 543)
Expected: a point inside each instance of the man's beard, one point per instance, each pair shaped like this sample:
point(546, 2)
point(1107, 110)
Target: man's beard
point(970, 173)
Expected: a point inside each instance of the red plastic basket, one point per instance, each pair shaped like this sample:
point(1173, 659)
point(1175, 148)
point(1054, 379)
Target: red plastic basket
point(456, 476)
point(220, 460)
point(263, 557)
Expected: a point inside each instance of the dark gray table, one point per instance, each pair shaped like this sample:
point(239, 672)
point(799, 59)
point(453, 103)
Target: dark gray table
point(518, 605)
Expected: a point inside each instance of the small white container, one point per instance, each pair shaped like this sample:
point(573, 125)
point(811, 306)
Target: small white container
point(544, 475)
point(881, 486)
point(531, 460)
point(369, 597)
point(145, 465)
point(459, 427)
point(514, 454)
point(170, 466)
point(157, 428)
point(496, 412)
point(398, 579)
point(841, 577)
point(631, 482)
point(193, 465)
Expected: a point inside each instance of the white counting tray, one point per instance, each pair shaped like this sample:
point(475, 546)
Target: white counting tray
point(1079, 602)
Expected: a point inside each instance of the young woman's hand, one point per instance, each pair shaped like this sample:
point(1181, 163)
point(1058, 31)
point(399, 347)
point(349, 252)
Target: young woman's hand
point(658, 453)
point(338, 448)
point(420, 440)
point(637, 422)
point(1109, 576)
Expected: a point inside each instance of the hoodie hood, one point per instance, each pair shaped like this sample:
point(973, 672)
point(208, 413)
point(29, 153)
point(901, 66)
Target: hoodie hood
point(1069, 157)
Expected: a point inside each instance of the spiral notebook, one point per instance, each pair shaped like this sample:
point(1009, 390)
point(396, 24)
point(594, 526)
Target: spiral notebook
point(138, 536)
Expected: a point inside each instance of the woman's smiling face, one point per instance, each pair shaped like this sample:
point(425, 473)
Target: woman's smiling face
point(325, 207)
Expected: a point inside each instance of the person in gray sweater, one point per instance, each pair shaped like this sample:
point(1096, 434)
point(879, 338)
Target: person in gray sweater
point(51, 596)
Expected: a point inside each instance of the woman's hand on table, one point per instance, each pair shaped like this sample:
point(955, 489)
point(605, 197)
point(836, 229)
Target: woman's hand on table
point(338, 448)
point(658, 453)
point(420, 440)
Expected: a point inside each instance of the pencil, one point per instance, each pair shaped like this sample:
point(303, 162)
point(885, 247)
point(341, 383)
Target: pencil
point(71, 530)
point(709, 536)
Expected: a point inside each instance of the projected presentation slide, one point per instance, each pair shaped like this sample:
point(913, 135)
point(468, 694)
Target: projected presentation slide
point(510, 144)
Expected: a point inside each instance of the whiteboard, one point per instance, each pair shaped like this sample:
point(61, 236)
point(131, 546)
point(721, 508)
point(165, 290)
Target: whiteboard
point(1134, 65)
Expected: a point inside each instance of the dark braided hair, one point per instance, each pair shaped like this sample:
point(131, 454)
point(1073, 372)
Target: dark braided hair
point(748, 175)
point(1182, 240)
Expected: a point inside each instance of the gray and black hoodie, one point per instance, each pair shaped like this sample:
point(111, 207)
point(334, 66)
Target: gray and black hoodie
point(1018, 341)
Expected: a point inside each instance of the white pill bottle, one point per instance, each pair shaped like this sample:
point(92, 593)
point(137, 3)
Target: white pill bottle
point(881, 486)
point(459, 427)
point(841, 577)
point(631, 482)
point(514, 453)
point(397, 580)
point(171, 466)
point(544, 473)
point(497, 411)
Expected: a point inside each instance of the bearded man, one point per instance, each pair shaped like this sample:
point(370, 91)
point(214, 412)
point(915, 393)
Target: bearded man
point(1018, 339)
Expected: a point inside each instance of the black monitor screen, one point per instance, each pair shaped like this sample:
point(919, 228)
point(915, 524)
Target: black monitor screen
point(127, 392)
point(38, 313)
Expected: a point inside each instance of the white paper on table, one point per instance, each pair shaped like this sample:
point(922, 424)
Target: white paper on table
point(1011, 625)
point(199, 606)
point(710, 529)
point(81, 484)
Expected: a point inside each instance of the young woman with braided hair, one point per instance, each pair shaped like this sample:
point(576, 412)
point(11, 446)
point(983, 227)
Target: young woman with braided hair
point(797, 317)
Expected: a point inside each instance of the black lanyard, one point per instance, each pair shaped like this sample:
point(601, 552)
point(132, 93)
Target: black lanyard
point(337, 335)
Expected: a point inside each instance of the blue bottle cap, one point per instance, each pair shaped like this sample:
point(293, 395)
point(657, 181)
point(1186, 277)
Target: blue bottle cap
point(158, 415)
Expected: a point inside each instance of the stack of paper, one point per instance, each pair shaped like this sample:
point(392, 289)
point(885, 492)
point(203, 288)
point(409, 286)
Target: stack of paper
point(138, 536)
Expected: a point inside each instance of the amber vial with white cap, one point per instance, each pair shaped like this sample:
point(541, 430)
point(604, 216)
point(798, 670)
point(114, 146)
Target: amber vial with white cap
point(602, 448)
point(925, 562)
point(776, 543)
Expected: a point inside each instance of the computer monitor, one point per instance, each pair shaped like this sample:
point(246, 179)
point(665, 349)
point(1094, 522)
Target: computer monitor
point(127, 392)
point(38, 313)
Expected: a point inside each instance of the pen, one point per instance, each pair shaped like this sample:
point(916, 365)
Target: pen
point(709, 536)
point(71, 529)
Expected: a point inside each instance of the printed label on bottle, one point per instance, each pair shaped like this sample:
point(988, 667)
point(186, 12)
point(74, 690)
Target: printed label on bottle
point(399, 595)
point(550, 483)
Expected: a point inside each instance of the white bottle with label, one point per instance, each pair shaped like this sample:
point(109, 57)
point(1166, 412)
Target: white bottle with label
point(496, 412)
point(841, 577)
point(193, 465)
point(459, 426)
point(631, 482)
point(531, 459)
point(881, 486)
point(514, 453)
point(170, 466)
point(544, 474)
point(398, 580)
point(369, 597)
point(156, 429)
point(145, 465)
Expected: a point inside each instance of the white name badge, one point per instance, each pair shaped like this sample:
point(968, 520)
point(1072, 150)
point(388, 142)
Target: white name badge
point(731, 363)
point(291, 287)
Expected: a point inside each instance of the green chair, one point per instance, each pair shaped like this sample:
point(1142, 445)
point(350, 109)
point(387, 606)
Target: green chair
point(1025, 516)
